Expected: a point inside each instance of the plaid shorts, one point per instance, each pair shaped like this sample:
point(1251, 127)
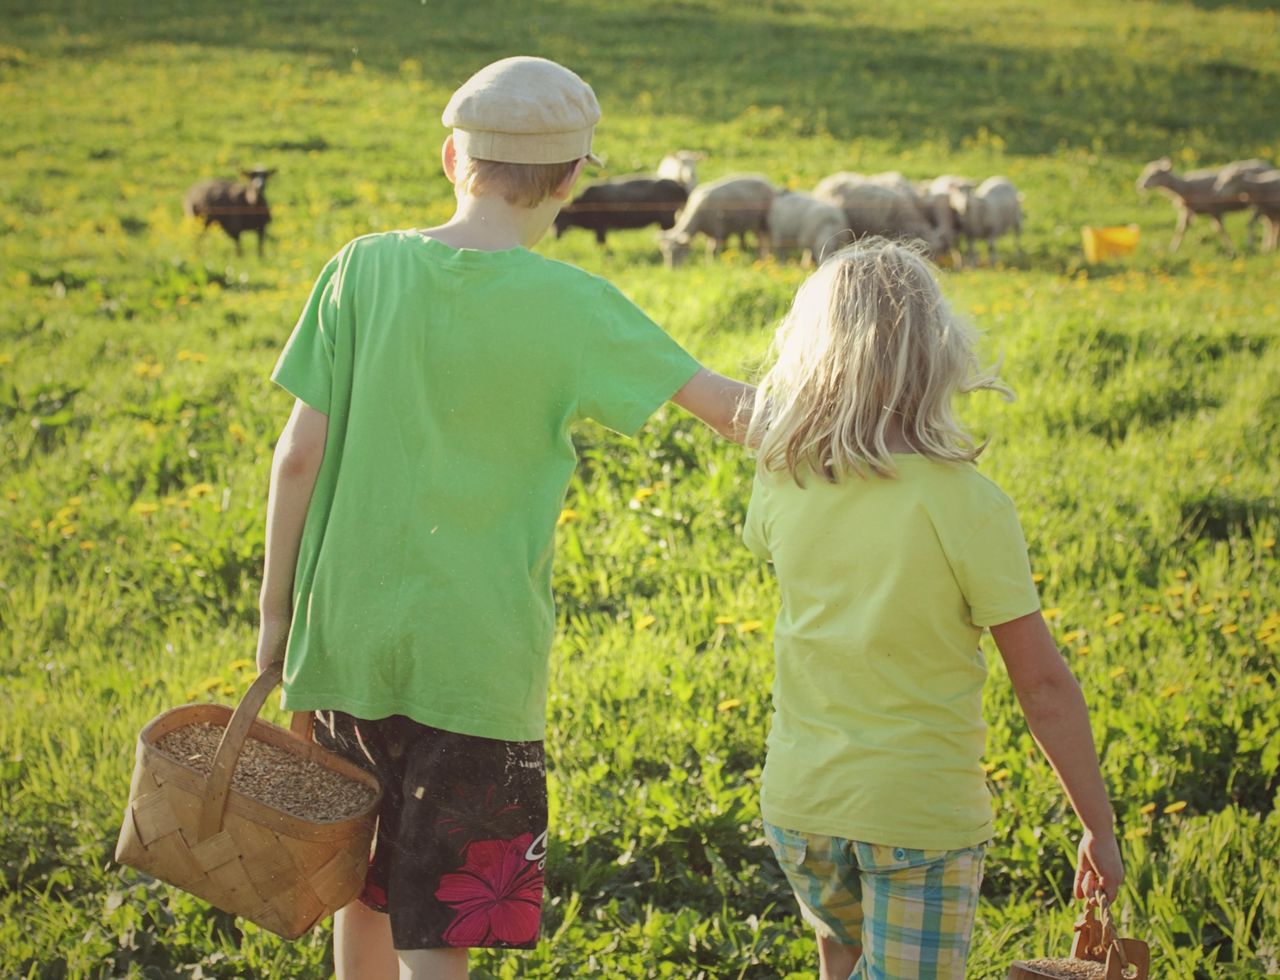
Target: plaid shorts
point(910, 912)
point(461, 844)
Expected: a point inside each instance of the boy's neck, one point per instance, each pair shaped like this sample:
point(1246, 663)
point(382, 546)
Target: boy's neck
point(490, 224)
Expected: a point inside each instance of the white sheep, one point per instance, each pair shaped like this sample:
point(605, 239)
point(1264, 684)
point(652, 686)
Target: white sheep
point(1262, 190)
point(682, 167)
point(877, 207)
point(935, 200)
point(732, 205)
point(986, 212)
point(1228, 174)
point(1196, 193)
point(801, 221)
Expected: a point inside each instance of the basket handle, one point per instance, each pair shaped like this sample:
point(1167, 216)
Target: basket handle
point(218, 785)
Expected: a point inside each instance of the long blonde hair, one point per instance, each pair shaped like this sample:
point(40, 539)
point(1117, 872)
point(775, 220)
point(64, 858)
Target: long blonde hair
point(869, 340)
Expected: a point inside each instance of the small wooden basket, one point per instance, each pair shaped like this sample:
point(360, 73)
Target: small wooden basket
point(1098, 953)
point(280, 871)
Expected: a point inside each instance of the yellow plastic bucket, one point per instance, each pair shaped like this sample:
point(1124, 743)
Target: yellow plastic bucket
point(1108, 243)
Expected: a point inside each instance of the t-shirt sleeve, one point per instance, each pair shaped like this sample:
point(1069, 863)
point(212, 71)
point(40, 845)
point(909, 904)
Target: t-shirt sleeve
point(994, 571)
point(305, 367)
point(629, 365)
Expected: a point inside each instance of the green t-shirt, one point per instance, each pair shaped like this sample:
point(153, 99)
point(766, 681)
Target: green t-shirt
point(451, 379)
point(877, 732)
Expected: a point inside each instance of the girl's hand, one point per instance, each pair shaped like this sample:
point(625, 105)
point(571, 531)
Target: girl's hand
point(273, 635)
point(1099, 867)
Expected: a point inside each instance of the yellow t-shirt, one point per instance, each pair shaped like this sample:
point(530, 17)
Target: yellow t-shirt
point(877, 731)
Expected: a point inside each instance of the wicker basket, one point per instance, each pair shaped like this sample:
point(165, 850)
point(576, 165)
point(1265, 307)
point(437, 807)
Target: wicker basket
point(280, 871)
point(1097, 951)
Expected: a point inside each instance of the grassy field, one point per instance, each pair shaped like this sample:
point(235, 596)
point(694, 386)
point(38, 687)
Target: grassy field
point(136, 428)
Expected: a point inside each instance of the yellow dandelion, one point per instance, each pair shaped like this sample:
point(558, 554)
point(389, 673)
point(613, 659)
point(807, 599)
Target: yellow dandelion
point(1256, 680)
point(237, 432)
point(6, 358)
point(566, 515)
point(1000, 775)
point(190, 355)
point(1170, 690)
point(1037, 577)
point(728, 704)
point(1206, 609)
point(75, 501)
point(148, 370)
point(1267, 543)
point(1115, 672)
point(1229, 629)
point(1053, 613)
point(175, 547)
point(724, 620)
point(67, 530)
point(750, 625)
point(1147, 809)
point(1173, 590)
point(145, 508)
point(199, 490)
point(645, 621)
point(208, 684)
point(12, 495)
point(1151, 607)
point(1244, 594)
point(1177, 807)
point(1180, 574)
point(37, 524)
point(1083, 651)
point(1115, 619)
point(1072, 635)
point(241, 664)
point(87, 546)
point(642, 494)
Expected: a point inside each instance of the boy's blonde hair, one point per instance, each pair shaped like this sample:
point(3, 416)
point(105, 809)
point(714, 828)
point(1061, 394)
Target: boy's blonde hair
point(523, 185)
point(869, 339)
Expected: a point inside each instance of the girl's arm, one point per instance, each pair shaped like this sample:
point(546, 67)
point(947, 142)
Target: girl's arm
point(722, 403)
point(294, 468)
point(1059, 721)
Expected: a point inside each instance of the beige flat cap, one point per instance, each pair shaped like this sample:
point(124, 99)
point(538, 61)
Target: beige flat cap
point(523, 110)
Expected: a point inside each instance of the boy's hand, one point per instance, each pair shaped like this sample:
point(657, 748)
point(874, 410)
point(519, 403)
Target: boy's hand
point(273, 634)
point(1099, 867)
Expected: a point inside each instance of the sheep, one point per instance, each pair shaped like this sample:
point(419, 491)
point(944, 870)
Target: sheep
point(935, 201)
point(1196, 193)
point(1262, 190)
point(624, 202)
point(235, 207)
point(681, 167)
point(732, 205)
point(801, 221)
point(986, 212)
point(1242, 168)
point(872, 208)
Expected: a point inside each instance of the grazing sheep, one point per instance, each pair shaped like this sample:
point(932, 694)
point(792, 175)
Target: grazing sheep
point(624, 202)
point(1196, 193)
point(935, 200)
point(874, 207)
point(729, 206)
point(681, 167)
point(986, 212)
point(801, 221)
point(235, 207)
point(1262, 190)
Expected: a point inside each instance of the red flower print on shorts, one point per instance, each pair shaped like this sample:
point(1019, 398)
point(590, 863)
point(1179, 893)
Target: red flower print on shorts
point(496, 894)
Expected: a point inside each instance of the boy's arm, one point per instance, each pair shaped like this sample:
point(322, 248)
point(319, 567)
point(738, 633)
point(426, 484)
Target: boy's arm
point(294, 468)
point(1059, 720)
point(724, 404)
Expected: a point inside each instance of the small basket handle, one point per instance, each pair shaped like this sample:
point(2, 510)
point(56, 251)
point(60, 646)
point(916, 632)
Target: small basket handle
point(218, 784)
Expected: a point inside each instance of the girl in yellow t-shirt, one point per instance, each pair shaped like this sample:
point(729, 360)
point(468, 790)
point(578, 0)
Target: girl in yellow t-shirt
point(893, 554)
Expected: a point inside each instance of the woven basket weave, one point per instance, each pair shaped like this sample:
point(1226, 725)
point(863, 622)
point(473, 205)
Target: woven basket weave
point(282, 872)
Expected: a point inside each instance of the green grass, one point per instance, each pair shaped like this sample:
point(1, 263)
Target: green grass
point(136, 428)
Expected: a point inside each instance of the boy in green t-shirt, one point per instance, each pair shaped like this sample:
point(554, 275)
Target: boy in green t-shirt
point(414, 496)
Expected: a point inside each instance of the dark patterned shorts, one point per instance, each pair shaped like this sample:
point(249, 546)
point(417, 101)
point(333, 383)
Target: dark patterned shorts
point(461, 842)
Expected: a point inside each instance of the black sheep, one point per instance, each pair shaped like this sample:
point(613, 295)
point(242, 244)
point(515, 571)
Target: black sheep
point(235, 207)
point(624, 202)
